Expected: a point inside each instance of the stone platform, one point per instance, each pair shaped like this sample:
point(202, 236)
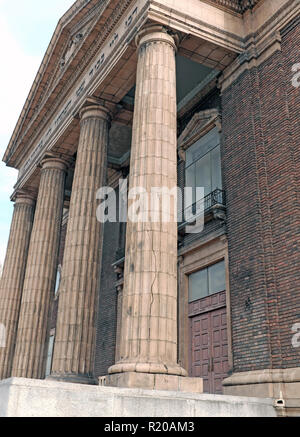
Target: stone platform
point(36, 398)
point(157, 382)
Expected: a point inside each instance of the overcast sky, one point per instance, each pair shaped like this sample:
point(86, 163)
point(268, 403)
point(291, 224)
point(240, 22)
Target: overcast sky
point(26, 27)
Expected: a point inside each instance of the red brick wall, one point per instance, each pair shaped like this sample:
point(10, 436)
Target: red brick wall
point(107, 312)
point(260, 155)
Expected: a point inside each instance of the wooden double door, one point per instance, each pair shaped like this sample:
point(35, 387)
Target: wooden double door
point(209, 341)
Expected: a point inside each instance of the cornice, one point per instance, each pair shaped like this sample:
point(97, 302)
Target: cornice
point(245, 5)
point(262, 44)
point(188, 24)
point(237, 6)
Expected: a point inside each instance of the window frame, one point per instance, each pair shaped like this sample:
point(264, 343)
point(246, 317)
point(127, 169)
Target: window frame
point(193, 165)
point(207, 281)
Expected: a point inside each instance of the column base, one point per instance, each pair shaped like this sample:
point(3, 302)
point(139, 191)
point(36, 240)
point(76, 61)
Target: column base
point(283, 385)
point(74, 379)
point(148, 381)
point(147, 367)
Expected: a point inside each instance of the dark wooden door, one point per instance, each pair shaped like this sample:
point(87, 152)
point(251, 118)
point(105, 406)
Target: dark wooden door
point(209, 345)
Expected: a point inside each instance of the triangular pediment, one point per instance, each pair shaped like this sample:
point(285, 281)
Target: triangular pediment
point(73, 44)
point(199, 125)
point(76, 36)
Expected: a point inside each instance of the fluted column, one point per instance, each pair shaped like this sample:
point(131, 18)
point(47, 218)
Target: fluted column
point(75, 340)
point(149, 321)
point(11, 284)
point(31, 346)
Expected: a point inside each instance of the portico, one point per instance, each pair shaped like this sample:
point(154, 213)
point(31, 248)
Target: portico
point(142, 54)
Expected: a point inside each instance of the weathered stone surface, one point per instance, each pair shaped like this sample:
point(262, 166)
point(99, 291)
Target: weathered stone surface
point(76, 325)
point(35, 398)
point(31, 344)
point(149, 316)
point(13, 278)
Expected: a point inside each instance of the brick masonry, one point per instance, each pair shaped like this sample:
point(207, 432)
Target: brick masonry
point(260, 155)
point(107, 320)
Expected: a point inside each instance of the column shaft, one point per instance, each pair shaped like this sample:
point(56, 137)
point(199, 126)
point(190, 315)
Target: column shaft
point(39, 284)
point(149, 325)
point(74, 349)
point(13, 278)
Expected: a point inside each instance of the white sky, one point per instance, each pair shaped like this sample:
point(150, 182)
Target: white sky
point(26, 27)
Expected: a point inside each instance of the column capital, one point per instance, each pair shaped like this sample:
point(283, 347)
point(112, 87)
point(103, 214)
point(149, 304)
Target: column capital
point(96, 108)
point(156, 33)
point(24, 197)
point(54, 161)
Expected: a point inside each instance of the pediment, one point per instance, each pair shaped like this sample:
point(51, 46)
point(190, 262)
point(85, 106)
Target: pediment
point(76, 36)
point(73, 44)
point(200, 124)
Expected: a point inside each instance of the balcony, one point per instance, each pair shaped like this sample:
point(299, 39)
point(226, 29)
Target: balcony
point(213, 205)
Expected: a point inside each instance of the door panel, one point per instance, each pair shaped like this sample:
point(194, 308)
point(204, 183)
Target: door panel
point(201, 348)
point(209, 349)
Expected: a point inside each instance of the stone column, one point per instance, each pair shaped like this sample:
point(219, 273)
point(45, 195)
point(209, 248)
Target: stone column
point(149, 324)
point(74, 350)
point(31, 345)
point(12, 279)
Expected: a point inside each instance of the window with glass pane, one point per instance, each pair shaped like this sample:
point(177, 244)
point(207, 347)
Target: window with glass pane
point(49, 356)
point(203, 164)
point(58, 277)
point(216, 278)
point(198, 285)
point(216, 173)
point(206, 282)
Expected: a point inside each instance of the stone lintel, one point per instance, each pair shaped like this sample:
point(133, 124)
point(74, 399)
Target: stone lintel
point(153, 381)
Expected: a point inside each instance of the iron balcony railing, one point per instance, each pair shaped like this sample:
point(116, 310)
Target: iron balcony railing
point(216, 197)
point(212, 200)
